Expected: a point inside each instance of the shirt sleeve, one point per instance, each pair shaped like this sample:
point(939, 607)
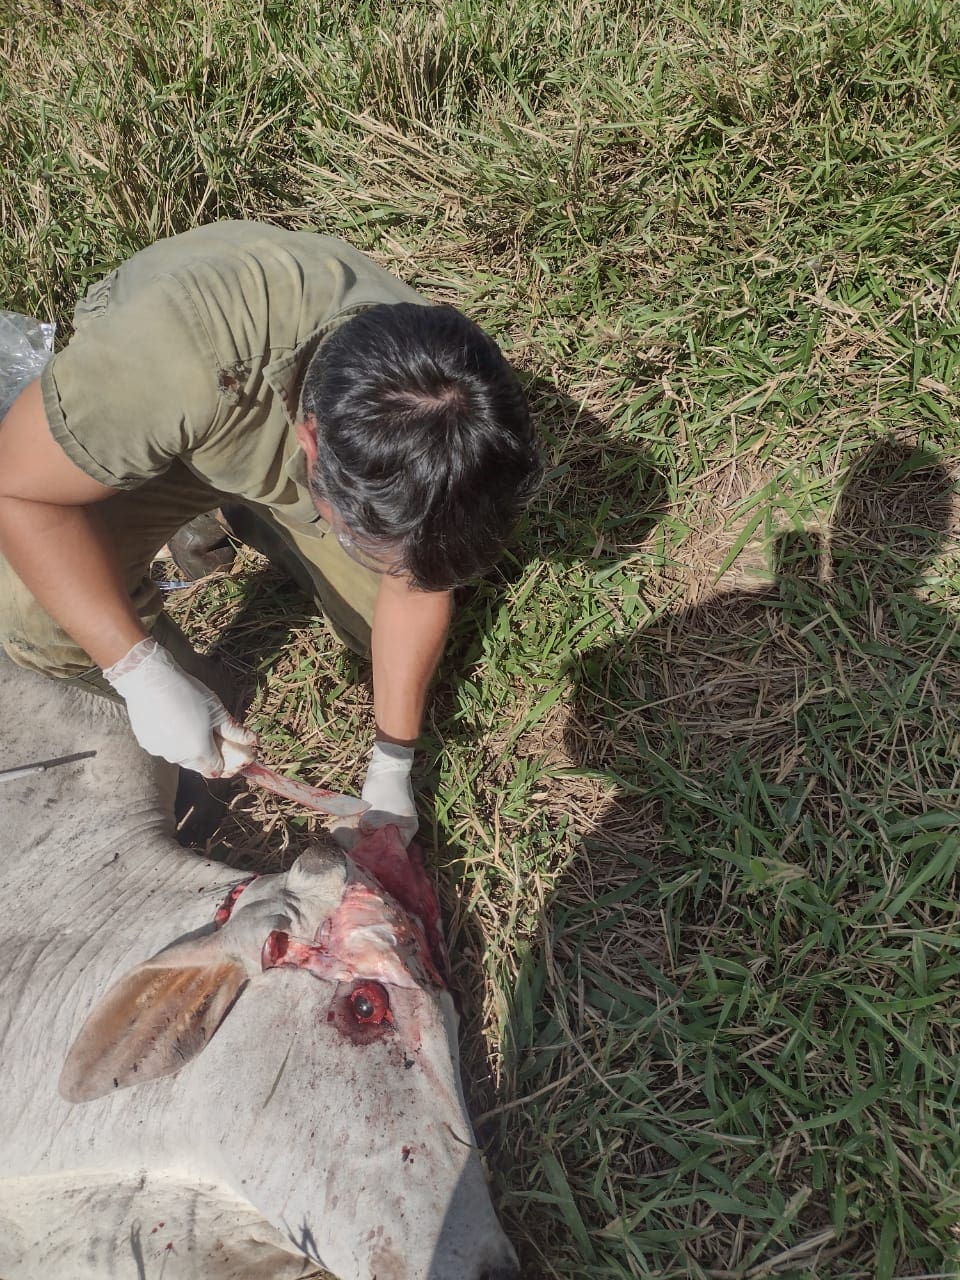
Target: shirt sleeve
point(135, 387)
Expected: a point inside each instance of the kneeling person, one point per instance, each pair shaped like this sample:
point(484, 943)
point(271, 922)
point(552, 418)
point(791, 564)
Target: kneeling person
point(379, 444)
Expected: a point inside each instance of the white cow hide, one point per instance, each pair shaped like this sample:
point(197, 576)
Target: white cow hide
point(274, 1128)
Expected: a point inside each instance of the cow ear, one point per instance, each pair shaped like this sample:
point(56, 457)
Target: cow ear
point(156, 1018)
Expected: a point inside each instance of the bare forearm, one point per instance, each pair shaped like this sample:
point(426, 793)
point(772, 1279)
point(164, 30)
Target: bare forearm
point(409, 633)
point(64, 558)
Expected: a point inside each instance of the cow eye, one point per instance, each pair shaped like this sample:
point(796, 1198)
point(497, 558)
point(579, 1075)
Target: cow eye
point(370, 1004)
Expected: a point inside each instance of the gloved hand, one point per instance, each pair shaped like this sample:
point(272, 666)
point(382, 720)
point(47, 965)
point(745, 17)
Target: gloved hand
point(388, 790)
point(174, 716)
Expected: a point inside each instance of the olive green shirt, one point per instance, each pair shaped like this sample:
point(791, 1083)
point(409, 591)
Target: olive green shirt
point(195, 349)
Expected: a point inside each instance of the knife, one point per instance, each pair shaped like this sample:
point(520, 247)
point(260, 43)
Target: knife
point(41, 766)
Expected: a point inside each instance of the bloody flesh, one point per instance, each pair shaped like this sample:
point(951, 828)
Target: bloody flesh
point(300, 793)
point(401, 872)
point(386, 926)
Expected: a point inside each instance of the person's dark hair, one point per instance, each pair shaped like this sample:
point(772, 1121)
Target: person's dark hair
point(424, 440)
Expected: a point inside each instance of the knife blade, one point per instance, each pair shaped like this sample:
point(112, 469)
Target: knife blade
point(41, 766)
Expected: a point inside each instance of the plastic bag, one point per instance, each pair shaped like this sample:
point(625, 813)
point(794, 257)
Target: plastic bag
point(25, 347)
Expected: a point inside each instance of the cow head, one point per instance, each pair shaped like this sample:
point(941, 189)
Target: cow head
point(313, 1042)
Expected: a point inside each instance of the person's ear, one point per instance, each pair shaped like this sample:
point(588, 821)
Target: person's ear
point(307, 435)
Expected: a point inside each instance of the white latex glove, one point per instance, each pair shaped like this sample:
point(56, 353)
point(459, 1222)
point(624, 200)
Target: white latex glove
point(388, 790)
point(174, 716)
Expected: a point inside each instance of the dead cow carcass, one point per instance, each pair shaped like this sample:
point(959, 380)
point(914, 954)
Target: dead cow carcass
point(206, 1079)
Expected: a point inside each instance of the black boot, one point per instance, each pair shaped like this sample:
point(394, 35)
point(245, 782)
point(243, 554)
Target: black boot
point(200, 547)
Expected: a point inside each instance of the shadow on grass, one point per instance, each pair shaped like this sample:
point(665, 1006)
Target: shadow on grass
point(752, 934)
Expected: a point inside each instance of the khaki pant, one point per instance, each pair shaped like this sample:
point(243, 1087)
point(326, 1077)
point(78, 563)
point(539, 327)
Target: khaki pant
point(139, 521)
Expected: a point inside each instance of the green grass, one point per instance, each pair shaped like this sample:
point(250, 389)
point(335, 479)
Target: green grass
point(690, 777)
